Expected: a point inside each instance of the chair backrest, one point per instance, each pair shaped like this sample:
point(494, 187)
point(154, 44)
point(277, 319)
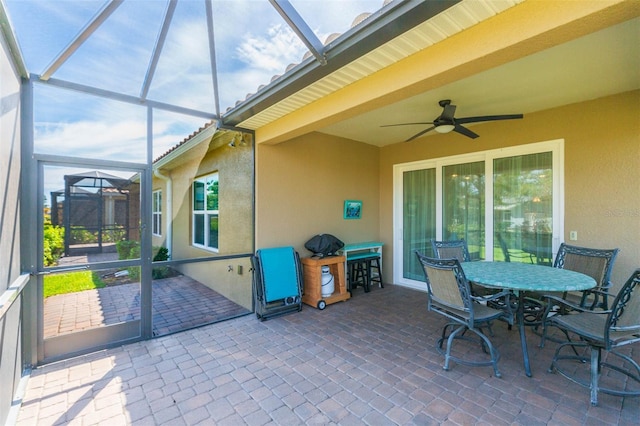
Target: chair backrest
point(446, 282)
point(623, 323)
point(596, 263)
point(451, 249)
point(280, 272)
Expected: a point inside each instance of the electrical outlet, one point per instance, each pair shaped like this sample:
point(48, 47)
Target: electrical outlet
point(239, 269)
point(573, 235)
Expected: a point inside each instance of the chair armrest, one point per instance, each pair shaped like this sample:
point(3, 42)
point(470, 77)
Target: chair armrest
point(551, 300)
point(508, 309)
point(627, 329)
point(492, 296)
point(599, 294)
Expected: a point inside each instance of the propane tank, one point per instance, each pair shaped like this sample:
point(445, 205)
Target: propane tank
point(328, 285)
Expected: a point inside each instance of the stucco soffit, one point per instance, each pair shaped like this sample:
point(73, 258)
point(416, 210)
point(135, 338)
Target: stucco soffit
point(522, 30)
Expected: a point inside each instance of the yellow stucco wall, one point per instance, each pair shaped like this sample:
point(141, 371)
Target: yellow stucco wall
point(235, 169)
point(602, 169)
point(301, 186)
point(302, 183)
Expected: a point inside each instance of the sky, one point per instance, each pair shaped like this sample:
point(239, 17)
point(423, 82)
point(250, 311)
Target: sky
point(252, 44)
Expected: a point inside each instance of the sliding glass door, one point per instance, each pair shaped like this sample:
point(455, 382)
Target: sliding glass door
point(463, 205)
point(419, 218)
point(523, 207)
point(507, 204)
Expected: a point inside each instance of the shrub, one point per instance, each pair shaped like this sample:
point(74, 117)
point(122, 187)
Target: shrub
point(127, 249)
point(116, 233)
point(162, 254)
point(53, 243)
point(80, 235)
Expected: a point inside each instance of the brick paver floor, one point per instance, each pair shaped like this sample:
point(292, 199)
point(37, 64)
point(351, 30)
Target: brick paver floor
point(178, 303)
point(370, 360)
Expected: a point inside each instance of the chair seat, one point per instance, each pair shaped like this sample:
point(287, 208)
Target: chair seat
point(594, 262)
point(588, 325)
point(481, 313)
point(591, 327)
point(603, 331)
point(450, 295)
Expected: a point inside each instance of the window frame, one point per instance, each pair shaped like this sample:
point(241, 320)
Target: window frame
point(156, 213)
point(206, 213)
point(556, 147)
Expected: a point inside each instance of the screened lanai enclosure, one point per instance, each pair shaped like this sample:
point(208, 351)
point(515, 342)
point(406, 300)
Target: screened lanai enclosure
point(143, 195)
point(173, 100)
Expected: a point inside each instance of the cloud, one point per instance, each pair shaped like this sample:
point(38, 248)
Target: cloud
point(256, 59)
point(119, 141)
point(124, 141)
point(272, 51)
point(253, 43)
point(183, 75)
point(115, 141)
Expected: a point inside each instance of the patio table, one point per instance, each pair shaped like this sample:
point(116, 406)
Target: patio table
point(521, 277)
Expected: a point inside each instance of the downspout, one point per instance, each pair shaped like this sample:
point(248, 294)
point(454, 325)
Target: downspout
point(169, 213)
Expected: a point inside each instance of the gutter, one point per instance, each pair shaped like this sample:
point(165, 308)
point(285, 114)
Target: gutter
point(169, 213)
point(376, 30)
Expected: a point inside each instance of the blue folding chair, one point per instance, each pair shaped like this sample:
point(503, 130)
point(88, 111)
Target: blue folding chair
point(277, 282)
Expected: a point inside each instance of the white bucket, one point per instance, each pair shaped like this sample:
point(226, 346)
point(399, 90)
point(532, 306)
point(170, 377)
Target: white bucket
point(328, 285)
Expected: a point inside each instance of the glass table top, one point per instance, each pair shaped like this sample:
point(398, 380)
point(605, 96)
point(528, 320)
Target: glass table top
point(524, 276)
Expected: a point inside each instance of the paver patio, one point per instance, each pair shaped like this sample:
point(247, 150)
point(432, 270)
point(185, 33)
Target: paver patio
point(178, 303)
point(369, 360)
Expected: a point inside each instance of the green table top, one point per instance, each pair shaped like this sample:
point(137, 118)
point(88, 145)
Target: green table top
point(525, 276)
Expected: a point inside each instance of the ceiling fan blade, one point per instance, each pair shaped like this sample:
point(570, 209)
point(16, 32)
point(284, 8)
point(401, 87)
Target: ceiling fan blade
point(488, 118)
point(449, 112)
point(406, 124)
point(420, 134)
point(464, 131)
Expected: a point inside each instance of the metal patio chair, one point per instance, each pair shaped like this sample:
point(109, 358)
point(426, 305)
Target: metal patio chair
point(449, 294)
point(451, 249)
point(594, 262)
point(603, 330)
point(457, 249)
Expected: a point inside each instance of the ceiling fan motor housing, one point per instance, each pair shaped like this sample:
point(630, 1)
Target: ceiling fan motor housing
point(446, 122)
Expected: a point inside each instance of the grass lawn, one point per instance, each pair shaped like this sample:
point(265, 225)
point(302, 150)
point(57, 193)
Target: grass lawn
point(71, 282)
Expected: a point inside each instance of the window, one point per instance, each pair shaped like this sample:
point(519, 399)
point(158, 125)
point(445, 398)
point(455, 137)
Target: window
point(157, 213)
point(505, 202)
point(463, 193)
point(205, 212)
point(522, 203)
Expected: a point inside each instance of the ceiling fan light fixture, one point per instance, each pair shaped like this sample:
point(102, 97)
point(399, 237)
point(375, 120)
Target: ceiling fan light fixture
point(445, 128)
point(446, 122)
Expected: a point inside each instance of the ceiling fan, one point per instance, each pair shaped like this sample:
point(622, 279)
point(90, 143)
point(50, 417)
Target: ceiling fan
point(446, 122)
